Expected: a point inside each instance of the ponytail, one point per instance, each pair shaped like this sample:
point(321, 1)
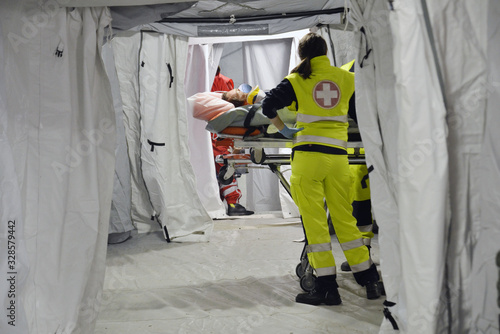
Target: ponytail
point(303, 69)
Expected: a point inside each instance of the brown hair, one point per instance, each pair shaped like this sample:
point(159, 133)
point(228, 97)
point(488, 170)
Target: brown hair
point(310, 46)
point(233, 100)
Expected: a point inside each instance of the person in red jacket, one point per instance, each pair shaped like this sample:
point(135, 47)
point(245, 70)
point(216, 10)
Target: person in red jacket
point(231, 192)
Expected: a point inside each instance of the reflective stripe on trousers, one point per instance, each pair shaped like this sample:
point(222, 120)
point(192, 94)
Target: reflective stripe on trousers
point(319, 139)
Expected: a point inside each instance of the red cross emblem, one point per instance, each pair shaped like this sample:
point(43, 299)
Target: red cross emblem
point(326, 94)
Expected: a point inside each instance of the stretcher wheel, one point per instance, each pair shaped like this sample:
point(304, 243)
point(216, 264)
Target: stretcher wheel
point(307, 282)
point(299, 270)
point(258, 156)
point(225, 175)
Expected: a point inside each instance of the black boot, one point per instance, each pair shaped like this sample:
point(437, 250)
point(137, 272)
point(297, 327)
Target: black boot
point(238, 210)
point(372, 290)
point(325, 292)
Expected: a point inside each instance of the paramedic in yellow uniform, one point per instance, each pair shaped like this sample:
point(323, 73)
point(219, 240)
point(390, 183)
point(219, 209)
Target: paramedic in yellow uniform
point(320, 94)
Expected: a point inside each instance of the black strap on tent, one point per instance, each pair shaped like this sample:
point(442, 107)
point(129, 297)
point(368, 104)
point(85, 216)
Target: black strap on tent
point(364, 185)
point(367, 50)
point(391, 5)
point(171, 75)
point(388, 314)
point(153, 144)
point(59, 50)
point(167, 236)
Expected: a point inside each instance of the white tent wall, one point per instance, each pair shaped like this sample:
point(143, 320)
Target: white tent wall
point(120, 217)
point(453, 134)
point(437, 199)
point(201, 67)
point(461, 43)
point(422, 184)
point(378, 123)
point(341, 41)
point(165, 161)
point(265, 63)
point(14, 262)
point(61, 127)
point(127, 46)
point(484, 272)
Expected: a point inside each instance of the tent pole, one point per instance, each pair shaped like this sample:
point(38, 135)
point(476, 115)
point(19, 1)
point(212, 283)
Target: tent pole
point(252, 18)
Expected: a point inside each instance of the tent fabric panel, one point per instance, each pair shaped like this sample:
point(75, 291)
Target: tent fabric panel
point(423, 189)
point(120, 218)
point(341, 43)
point(169, 178)
point(485, 272)
point(201, 66)
point(378, 123)
point(264, 63)
point(126, 51)
point(460, 44)
point(62, 105)
point(73, 222)
point(14, 262)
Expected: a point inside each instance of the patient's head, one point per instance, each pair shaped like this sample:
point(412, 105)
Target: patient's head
point(236, 97)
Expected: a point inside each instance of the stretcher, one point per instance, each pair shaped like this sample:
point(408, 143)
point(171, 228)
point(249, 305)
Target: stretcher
point(258, 158)
point(246, 128)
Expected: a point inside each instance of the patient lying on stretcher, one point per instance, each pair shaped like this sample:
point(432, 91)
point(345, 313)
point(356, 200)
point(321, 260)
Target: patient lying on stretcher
point(237, 113)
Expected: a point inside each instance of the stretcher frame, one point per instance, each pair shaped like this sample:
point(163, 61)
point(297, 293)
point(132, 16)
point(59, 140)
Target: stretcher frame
point(257, 156)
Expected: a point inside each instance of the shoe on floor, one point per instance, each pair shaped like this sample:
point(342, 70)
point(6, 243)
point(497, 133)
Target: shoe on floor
point(118, 238)
point(372, 290)
point(345, 266)
point(238, 210)
point(330, 296)
point(325, 291)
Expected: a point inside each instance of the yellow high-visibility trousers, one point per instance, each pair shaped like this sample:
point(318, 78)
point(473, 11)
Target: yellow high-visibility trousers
point(317, 177)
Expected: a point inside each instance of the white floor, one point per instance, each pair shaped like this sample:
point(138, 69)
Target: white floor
point(242, 281)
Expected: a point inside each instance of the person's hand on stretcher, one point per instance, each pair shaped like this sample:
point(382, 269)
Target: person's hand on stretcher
point(283, 129)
